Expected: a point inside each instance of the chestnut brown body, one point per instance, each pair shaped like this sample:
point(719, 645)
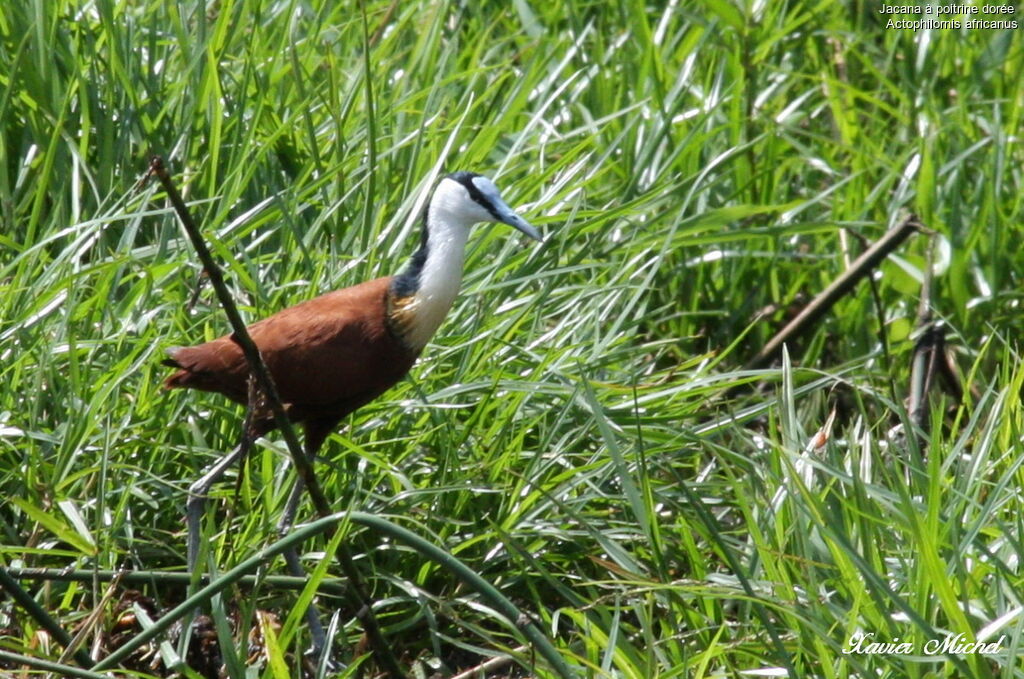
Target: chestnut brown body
point(328, 356)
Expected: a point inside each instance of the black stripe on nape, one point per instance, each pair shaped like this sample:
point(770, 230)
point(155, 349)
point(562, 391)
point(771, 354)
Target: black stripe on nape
point(466, 179)
point(406, 283)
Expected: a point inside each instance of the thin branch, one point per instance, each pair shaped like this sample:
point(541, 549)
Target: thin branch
point(240, 335)
point(358, 600)
point(820, 305)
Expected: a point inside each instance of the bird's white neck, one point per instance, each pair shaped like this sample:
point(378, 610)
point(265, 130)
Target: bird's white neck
point(441, 275)
point(431, 281)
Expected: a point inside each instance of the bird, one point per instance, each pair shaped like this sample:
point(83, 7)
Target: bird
point(335, 353)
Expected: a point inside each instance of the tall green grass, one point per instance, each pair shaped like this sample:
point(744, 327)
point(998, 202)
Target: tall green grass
point(700, 169)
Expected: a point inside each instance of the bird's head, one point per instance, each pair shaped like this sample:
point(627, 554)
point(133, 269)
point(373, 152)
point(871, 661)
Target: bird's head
point(468, 198)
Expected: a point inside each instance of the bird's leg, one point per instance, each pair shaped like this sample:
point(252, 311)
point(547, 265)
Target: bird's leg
point(314, 438)
point(253, 427)
point(197, 498)
point(291, 507)
point(291, 559)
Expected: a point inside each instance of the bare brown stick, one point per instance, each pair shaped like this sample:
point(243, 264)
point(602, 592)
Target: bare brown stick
point(358, 600)
point(817, 308)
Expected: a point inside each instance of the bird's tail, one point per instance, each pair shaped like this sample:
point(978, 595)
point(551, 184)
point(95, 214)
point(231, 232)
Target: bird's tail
point(176, 380)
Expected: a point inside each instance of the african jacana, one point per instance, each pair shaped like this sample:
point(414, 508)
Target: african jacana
point(335, 353)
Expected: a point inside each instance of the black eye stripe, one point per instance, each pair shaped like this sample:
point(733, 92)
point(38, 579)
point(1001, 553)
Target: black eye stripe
point(466, 179)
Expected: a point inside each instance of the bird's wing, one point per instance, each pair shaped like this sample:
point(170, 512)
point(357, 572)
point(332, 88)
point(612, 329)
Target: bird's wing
point(331, 351)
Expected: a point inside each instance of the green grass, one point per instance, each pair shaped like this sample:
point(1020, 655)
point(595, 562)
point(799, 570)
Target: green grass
point(570, 434)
